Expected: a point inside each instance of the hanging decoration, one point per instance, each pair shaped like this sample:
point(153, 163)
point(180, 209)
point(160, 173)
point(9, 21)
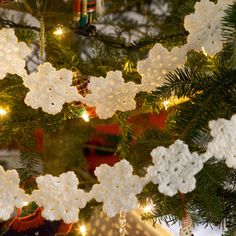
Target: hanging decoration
point(50, 89)
point(118, 188)
point(84, 11)
point(41, 6)
point(11, 195)
point(12, 54)
point(111, 94)
point(122, 223)
point(186, 226)
point(174, 168)
point(57, 195)
point(159, 63)
point(223, 145)
point(204, 26)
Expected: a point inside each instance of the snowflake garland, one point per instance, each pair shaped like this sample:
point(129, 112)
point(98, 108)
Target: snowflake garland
point(223, 145)
point(60, 197)
point(111, 94)
point(12, 54)
point(174, 168)
point(117, 188)
point(50, 89)
point(159, 63)
point(11, 195)
point(204, 26)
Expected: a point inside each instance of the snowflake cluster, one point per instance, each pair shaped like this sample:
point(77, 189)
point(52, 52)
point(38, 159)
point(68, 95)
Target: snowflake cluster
point(50, 89)
point(204, 26)
point(12, 54)
point(223, 145)
point(11, 195)
point(174, 168)
point(117, 188)
point(60, 197)
point(158, 64)
point(111, 94)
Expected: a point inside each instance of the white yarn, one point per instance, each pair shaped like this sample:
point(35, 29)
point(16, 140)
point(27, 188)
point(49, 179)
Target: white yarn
point(174, 168)
point(118, 188)
point(60, 197)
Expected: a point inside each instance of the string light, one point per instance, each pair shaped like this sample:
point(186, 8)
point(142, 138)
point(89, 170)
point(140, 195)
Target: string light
point(59, 31)
point(166, 104)
point(85, 116)
point(149, 207)
point(83, 230)
point(204, 52)
point(25, 203)
point(3, 112)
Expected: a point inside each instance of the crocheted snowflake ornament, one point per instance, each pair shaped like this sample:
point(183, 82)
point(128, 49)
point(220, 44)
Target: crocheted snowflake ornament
point(12, 54)
point(223, 145)
point(111, 94)
point(11, 195)
point(50, 89)
point(160, 62)
point(117, 188)
point(174, 168)
point(204, 26)
point(60, 197)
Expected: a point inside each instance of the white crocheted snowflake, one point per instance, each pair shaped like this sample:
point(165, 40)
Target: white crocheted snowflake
point(174, 168)
point(12, 54)
point(160, 62)
point(117, 188)
point(204, 26)
point(60, 197)
point(111, 94)
point(50, 89)
point(223, 145)
point(11, 195)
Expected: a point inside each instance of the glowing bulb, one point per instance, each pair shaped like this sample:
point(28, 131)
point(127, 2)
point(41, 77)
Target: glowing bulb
point(85, 116)
point(83, 230)
point(149, 207)
point(3, 112)
point(59, 31)
point(25, 203)
point(166, 104)
point(204, 51)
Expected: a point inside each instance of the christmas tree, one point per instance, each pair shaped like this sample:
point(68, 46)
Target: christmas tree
point(115, 105)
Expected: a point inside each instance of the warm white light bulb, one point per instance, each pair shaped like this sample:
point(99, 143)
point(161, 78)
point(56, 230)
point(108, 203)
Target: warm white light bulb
point(148, 208)
point(25, 204)
point(83, 230)
point(85, 116)
point(3, 112)
point(204, 51)
point(59, 31)
point(166, 104)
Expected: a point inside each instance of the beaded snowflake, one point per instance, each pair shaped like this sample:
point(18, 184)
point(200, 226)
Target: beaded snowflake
point(174, 168)
point(158, 64)
point(12, 54)
point(111, 94)
point(60, 197)
point(50, 89)
point(117, 188)
point(11, 195)
point(204, 26)
point(223, 145)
